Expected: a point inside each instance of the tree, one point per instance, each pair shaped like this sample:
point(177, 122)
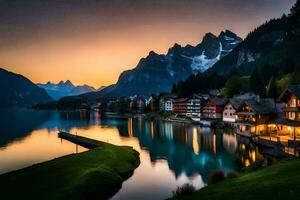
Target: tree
point(256, 83)
point(288, 66)
point(272, 89)
point(235, 85)
point(296, 8)
point(174, 88)
point(268, 71)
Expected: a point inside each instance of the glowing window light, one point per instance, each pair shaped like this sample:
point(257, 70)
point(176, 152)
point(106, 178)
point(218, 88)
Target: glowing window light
point(243, 147)
point(247, 162)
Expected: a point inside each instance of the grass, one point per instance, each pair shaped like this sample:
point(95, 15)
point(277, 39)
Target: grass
point(281, 181)
point(95, 174)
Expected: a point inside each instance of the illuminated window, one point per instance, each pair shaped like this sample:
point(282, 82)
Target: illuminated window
point(292, 115)
point(293, 103)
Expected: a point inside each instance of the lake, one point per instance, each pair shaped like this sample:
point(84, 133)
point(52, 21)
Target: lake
point(171, 154)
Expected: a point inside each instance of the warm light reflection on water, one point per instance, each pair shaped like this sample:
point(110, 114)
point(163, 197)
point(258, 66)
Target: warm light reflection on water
point(39, 146)
point(171, 153)
point(195, 141)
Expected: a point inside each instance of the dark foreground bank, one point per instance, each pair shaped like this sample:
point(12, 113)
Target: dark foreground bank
point(95, 174)
point(281, 181)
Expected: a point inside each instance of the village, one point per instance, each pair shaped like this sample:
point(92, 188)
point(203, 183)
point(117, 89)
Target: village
point(267, 122)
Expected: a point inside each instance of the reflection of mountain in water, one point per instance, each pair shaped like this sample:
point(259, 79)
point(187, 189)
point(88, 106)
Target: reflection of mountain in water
point(17, 123)
point(187, 149)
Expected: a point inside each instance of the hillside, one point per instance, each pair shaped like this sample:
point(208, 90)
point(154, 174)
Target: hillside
point(268, 59)
point(16, 90)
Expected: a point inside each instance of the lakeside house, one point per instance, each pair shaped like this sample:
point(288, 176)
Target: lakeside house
point(212, 108)
point(286, 129)
point(166, 104)
point(194, 107)
point(253, 116)
point(233, 104)
point(180, 106)
point(230, 109)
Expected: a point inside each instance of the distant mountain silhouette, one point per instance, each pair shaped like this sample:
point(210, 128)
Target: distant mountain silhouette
point(16, 90)
point(63, 89)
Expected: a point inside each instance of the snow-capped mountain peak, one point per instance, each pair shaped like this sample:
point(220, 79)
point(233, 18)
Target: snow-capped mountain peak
point(202, 63)
point(158, 72)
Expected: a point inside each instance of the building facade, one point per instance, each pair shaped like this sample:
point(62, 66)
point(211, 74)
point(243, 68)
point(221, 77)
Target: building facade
point(180, 106)
point(286, 129)
point(212, 108)
point(166, 104)
point(194, 107)
point(229, 110)
point(253, 116)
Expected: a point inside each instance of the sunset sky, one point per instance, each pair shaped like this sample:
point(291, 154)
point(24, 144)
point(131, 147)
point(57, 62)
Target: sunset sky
point(93, 41)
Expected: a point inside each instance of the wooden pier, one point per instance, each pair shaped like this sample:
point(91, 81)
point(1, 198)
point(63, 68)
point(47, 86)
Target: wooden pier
point(82, 141)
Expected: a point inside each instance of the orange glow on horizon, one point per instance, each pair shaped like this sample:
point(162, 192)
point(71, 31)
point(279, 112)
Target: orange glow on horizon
point(96, 45)
point(96, 60)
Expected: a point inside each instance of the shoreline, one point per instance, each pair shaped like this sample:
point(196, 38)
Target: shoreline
point(96, 173)
point(264, 182)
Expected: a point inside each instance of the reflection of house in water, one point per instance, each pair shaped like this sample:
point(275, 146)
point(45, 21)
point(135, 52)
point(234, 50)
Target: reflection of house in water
point(94, 117)
point(187, 149)
point(130, 132)
point(247, 152)
point(166, 130)
point(229, 142)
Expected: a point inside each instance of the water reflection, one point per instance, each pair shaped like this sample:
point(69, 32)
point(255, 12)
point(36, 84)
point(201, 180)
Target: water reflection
point(171, 153)
point(248, 153)
point(16, 123)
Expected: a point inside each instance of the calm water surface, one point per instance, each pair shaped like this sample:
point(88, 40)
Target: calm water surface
point(171, 154)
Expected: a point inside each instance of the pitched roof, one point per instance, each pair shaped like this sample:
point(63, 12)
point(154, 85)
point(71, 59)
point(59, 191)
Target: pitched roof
point(294, 89)
point(195, 96)
point(180, 100)
point(236, 103)
point(245, 96)
point(263, 106)
point(216, 101)
point(287, 122)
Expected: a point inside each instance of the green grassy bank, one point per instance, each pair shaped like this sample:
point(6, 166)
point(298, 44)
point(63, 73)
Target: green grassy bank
point(281, 181)
point(95, 174)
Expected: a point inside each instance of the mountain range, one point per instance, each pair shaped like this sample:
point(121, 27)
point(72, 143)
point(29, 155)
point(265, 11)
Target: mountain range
point(16, 90)
point(272, 49)
point(157, 73)
point(67, 88)
point(268, 57)
point(266, 62)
